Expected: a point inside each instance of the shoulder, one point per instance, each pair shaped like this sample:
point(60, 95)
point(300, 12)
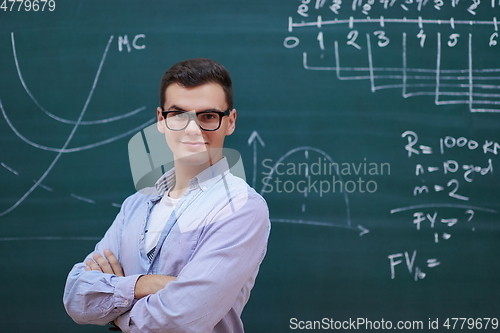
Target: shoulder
point(242, 202)
point(240, 189)
point(230, 204)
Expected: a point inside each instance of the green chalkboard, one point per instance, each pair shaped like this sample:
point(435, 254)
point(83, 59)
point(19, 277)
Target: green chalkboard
point(370, 127)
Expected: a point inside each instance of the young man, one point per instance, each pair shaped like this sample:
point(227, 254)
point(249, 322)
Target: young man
point(184, 257)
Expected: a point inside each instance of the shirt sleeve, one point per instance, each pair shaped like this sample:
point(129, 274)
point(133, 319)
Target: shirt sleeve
point(92, 297)
point(226, 258)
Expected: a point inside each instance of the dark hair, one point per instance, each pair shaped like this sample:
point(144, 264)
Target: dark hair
point(197, 72)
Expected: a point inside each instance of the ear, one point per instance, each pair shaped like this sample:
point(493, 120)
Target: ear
point(231, 122)
point(160, 124)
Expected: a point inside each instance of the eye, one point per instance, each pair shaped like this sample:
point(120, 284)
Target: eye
point(208, 116)
point(177, 114)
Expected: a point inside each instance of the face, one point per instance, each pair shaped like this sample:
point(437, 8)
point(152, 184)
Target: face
point(193, 146)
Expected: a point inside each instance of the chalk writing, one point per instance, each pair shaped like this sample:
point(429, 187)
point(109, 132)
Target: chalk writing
point(441, 219)
point(474, 83)
point(124, 40)
point(409, 260)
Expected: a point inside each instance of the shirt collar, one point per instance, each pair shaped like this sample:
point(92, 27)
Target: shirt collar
point(204, 180)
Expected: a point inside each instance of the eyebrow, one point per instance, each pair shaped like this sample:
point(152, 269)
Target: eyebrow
point(178, 108)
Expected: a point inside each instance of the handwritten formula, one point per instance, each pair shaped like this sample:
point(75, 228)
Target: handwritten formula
point(447, 183)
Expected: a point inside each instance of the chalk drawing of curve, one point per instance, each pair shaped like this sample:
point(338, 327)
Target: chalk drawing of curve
point(347, 224)
point(75, 124)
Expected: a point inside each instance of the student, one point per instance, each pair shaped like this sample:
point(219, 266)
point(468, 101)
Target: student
point(182, 256)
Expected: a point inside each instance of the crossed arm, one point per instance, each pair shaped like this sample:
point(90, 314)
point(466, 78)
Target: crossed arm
point(145, 285)
point(217, 279)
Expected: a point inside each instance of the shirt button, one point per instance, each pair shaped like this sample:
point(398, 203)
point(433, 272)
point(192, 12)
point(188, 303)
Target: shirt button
point(126, 302)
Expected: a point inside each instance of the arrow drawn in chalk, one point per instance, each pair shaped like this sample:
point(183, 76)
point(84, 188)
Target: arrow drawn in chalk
point(254, 137)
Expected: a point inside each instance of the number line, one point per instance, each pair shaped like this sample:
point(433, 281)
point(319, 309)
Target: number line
point(351, 21)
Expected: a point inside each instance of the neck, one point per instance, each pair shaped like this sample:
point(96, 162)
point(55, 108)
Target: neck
point(184, 173)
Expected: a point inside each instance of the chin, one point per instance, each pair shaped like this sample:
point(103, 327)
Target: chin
point(200, 158)
point(193, 158)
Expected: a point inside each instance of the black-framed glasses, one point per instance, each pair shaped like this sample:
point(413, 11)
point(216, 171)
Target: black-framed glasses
point(207, 120)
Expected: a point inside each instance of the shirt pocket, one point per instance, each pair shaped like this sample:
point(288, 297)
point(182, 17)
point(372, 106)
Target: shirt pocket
point(176, 251)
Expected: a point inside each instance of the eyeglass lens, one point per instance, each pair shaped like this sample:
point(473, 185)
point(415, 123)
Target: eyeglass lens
point(206, 120)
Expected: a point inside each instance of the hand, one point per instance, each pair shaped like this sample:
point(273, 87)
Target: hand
point(109, 264)
point(116, 327)
point(151, 284)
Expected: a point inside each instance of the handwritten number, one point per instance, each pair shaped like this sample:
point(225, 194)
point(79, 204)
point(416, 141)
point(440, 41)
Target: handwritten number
point(422, 37)
point(352, 36)
point(291, 42)
point(438, 4)
point(453, 192)
point(453, 40)
point(473, 7)
point(383, 39)
point(493, 39)
point(320, 40)
point(303, 10)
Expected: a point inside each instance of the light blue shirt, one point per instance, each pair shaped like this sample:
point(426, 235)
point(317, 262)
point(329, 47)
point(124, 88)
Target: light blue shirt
point(213, 242)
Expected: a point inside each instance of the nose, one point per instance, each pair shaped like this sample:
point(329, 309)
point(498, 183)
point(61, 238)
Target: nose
point(192, 126)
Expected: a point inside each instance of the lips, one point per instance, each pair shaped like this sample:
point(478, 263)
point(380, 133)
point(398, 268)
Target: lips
point(193, 144)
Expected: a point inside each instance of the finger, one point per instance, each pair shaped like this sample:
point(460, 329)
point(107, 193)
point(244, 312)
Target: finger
point(92, 266)
point(103, 263)
point(115, 264)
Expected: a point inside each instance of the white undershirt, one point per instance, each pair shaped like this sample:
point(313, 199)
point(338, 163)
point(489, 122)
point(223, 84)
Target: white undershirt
point(159, 217)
